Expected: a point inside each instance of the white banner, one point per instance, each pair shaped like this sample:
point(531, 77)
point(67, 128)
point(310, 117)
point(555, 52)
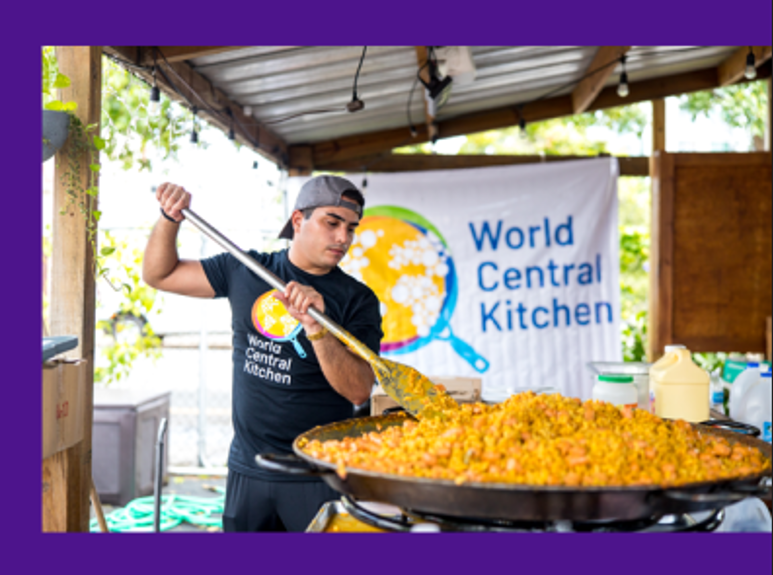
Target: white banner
point(508, 273)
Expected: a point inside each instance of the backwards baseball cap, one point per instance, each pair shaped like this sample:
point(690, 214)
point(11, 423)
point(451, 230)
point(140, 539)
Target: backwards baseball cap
point(324, 191)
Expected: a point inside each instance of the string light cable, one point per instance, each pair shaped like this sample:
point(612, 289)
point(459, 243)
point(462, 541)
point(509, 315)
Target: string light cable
point(154, 100)
point(356, 104)
point(414, 132)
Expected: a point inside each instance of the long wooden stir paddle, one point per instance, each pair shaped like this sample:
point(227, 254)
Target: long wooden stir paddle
point(409, 388)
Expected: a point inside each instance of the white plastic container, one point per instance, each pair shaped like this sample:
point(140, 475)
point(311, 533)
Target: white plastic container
point(681, 387)
point(616, 389)
point(666, 350)
point(755, 406)
point(745, 380)
point(640, 372)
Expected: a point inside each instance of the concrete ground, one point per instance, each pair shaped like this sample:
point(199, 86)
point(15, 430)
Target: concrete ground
point(188, 485)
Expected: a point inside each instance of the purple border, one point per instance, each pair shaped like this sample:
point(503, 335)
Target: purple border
point(399, 23)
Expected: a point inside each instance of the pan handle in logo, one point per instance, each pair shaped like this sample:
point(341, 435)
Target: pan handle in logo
point(465, 350)
point(297, 345)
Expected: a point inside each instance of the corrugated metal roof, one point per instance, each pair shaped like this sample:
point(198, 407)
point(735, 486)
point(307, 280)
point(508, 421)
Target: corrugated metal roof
point(281, 83)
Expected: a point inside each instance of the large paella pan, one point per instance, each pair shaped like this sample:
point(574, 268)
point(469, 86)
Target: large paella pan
point(507, 501)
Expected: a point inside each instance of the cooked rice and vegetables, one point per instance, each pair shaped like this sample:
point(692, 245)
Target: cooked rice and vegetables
point(545, 440)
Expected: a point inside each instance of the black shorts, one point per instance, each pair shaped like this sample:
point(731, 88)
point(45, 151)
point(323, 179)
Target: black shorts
point(253, 504)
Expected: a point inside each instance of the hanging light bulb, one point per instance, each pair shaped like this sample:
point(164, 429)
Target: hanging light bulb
point(364, 183)
point(751, 69)
point(154, 101)
point(194, 133)
point(231, 134)
point(622, 87)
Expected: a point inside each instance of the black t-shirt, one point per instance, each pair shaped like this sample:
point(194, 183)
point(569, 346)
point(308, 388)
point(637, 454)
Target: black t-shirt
point(279, 390)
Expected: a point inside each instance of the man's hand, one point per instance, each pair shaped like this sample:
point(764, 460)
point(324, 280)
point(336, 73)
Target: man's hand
point(297, 299)
point(173, 199)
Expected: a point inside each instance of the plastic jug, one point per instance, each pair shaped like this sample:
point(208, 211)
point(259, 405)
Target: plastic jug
point(755, 407)
point(659, 365)
point(681, 387)
point(743, 382)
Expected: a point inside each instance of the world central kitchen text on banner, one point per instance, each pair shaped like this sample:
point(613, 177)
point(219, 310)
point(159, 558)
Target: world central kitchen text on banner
point(507, 273)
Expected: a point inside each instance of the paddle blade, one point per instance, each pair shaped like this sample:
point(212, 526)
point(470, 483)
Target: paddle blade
point(412, 390)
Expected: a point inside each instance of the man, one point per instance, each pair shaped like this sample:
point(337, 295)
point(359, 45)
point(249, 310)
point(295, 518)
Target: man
point(289, 373)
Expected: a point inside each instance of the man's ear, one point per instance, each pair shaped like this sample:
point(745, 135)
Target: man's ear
point(297, 219)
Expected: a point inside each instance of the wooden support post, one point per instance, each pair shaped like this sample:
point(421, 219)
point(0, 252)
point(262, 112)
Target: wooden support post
point(769, 121)
point(67, 474)
point(660, 232)
point(659, 125)
point(660, 317)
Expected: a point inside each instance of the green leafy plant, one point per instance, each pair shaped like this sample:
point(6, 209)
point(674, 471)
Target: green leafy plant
point(129, 335)
point(54, 80)
point(82, 142)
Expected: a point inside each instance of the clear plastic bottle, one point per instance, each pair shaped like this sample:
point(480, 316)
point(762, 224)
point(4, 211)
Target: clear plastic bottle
point(716, 392)
point(755, 405)
point(745, 380)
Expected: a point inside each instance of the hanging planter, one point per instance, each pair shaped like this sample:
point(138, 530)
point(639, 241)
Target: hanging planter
point(56, 126)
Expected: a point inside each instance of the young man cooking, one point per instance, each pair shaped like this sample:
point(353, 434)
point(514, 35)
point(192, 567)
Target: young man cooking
point(289, 373)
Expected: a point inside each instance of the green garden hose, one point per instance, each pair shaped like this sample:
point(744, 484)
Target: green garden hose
point(137, 516)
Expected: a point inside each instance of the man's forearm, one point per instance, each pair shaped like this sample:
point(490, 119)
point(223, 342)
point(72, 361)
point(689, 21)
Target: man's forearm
point(348, 374)
point(161, 252)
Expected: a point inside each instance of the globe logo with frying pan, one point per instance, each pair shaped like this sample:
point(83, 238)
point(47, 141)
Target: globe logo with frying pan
point(405, 260)
point(271, 318)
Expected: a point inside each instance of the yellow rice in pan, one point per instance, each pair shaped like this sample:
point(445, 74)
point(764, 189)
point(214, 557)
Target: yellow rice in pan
point(545, 440)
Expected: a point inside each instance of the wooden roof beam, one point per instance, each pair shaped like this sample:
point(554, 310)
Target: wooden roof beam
point(732, 69)
point(195, 88)
point(587, 89)
point(629, 165)
point(179, 53)
point(346, 148)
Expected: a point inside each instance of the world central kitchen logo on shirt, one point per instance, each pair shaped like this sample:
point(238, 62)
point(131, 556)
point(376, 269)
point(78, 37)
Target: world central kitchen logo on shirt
point(271, 319)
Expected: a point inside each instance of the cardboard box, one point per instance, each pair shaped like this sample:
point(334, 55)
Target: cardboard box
point(64, 393)
point(462, 389)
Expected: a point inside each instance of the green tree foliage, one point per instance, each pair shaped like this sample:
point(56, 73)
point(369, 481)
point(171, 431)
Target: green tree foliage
point(130, 130)
point(128, 331)
point(739, 106)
